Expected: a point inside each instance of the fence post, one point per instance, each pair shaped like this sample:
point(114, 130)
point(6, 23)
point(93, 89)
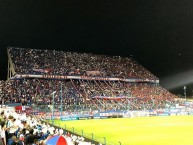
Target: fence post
point(73, 129)
point(92, 137)
point(104, 140)
point(82, 133)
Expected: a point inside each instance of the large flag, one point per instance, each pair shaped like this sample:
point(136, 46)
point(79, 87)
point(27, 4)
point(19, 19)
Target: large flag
point(93, 73)
point(41, 70)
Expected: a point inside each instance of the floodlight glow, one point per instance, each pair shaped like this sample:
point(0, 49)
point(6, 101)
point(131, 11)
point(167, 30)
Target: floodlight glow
point(178, 80)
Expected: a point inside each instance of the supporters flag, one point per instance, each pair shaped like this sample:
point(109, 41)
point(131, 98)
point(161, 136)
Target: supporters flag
point(41, 70)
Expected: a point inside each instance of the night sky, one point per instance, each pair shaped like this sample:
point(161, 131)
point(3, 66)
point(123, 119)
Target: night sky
point(156, 33)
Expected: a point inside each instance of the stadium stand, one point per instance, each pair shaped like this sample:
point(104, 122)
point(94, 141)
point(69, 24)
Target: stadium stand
point(140, 90)
point(83, 83)
point(19, 129)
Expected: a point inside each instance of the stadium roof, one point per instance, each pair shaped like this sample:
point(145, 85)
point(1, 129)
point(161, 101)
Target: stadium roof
point(158, 34)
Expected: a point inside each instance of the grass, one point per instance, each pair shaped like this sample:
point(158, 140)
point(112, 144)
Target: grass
point(172, 130)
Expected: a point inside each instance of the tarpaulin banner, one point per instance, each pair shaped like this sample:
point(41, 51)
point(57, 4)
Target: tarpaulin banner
point(22, 76)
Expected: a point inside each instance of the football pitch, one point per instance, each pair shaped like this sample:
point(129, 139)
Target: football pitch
point(172, 130)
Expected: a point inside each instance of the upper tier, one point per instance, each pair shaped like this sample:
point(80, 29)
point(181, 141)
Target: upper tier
point(34, 61)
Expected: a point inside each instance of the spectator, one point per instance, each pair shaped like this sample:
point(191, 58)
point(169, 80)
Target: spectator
point(36, 142)
point(12, 141)
point(30, 137)
point(2, 132)
point(21, 140)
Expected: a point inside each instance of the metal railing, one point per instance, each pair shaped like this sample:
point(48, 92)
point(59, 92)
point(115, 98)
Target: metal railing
point(89, 137)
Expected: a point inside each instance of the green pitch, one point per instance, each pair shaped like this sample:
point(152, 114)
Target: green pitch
point(173, 130)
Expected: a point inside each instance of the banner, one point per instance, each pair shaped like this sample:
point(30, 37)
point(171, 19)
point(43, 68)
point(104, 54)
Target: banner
point(41, 70)
point(136, 114)
point(93, 73)
point(22, 76)
point(110, 98)
point(68, 118)
point(164, 114)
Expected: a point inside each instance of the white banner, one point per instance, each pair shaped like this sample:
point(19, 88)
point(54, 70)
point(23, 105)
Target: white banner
point(22, 76)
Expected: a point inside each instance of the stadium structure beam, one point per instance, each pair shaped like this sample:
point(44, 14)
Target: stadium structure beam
point(53, 108)
point(10, 69)
point(61, 101)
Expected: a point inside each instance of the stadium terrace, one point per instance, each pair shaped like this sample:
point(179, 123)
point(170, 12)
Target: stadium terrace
point(63, 85)
point(81, 81)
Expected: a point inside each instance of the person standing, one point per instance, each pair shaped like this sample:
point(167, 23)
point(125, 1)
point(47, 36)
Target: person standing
point(2, 132)
point(21, 140)
point(11, 127)
point(30, 137)
point(12, 140)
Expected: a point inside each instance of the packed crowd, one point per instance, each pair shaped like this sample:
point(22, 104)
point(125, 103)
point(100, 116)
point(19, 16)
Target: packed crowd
point(19, 129)
point(85, 94)
point(34, 61)
point(151, 96)
point(38, 91)
point(81, 94)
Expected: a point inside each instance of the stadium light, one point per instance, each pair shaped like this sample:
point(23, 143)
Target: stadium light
point(53, 108)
